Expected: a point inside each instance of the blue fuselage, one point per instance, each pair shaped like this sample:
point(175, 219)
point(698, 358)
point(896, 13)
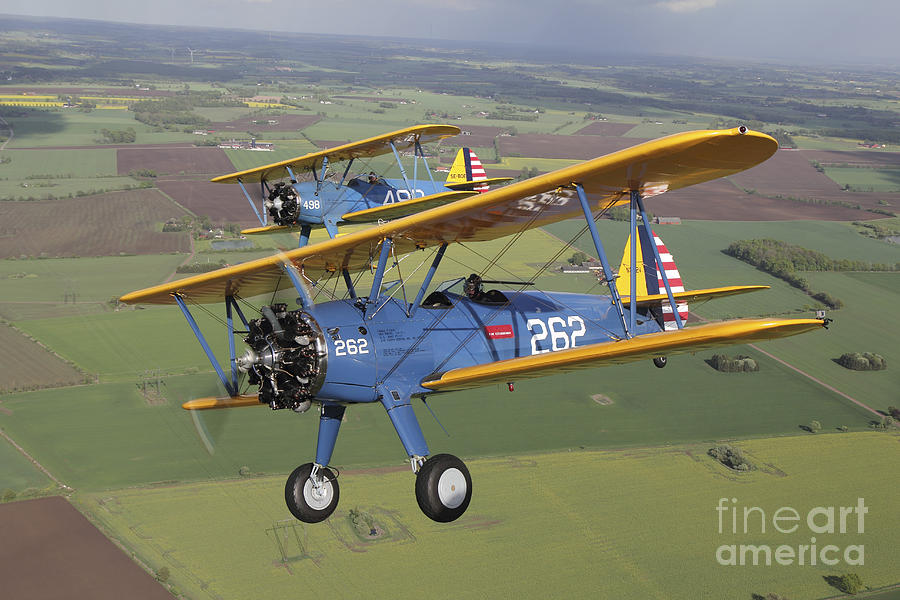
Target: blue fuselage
point(373, 351)
point(324, 204)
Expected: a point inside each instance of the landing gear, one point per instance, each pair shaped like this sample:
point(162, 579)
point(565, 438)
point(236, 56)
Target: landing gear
point(443, 488)
point(660, 362)
point(312, 493)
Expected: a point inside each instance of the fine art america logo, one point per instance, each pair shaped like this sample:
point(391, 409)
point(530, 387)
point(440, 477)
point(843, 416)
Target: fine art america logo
point(737, 520)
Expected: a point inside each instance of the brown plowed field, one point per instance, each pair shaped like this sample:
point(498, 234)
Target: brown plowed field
point(605, 128)
point(174, 160)
point(789, 173)
point(285, 123)
point(719, 200)
point(220, 202)
point(28, 365)
point(102, 225)
point(50, 551)
point(479, 136)
point(581, 147)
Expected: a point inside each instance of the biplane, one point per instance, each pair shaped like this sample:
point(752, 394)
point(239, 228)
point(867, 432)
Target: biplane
point(374, 346)
point(305, 193)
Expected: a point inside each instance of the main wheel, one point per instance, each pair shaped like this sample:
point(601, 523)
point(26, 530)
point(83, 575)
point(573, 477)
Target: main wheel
point(660, 362)
point(443, 488)
point(307, 502)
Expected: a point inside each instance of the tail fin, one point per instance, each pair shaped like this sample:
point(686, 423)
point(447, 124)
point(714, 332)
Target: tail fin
point(649, 279)
point(467, 167)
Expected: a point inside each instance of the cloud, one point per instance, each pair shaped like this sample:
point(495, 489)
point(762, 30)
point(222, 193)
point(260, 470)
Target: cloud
point(686, 6)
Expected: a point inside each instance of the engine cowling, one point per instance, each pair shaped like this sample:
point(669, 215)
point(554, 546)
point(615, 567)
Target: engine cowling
point(286, 358)
point(283, 204)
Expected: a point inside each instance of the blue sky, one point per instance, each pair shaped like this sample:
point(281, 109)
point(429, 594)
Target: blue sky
point(825, 31)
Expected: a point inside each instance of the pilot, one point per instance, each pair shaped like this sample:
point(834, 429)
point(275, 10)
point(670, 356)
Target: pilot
point(373, 178)
point(472, 287)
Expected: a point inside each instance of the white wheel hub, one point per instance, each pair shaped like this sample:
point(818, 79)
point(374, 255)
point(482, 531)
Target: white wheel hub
point(452, 488)
point(317, 497)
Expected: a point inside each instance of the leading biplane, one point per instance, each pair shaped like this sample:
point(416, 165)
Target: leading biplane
point(374, 346)
point(305, 193)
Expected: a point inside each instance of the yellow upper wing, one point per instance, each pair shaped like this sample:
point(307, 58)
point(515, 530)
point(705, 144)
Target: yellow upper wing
point(650, 345)
point(669, 163)
point(403, 139)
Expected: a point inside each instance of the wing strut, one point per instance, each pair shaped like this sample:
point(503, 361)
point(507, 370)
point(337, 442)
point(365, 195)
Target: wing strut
point(421, 153)
point(386, 245)
point(230, 386)
point(431, 271)
point(402, 170)
point(636, 199)
point(598, 245)
point(262, 221)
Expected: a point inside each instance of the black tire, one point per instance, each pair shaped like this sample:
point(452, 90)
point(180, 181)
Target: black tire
point(439, 488)
point(301, 498)
point(660, 361)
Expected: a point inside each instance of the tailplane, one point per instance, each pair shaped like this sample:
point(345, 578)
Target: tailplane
point(649, 280)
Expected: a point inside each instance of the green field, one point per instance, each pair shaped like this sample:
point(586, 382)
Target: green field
point(866, 180)
point(609, 524)
point(18, 474)
point(62, 188)
point(58, 163)
point(70, 127)
point(93, 279)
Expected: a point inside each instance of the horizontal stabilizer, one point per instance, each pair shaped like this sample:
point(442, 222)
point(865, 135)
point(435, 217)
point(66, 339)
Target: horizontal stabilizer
point(213, 403)
point(696, 295)
point(396, 210)
point(469, 185)
point(647, 346)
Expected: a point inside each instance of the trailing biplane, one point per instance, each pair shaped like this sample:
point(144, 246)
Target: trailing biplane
point(305, 193)
point(375, 346)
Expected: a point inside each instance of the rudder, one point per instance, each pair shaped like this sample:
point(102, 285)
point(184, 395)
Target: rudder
point(649, 279)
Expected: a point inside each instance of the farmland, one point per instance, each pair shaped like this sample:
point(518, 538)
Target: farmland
point(594, 483)
point(613, 526)
point(27, 365)
point(128, 222)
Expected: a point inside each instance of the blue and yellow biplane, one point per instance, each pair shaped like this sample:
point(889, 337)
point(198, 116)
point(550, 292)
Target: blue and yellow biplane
point(374, 346)
point(304, 193)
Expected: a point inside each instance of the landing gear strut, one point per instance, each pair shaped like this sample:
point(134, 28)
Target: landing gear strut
point(443, 488)
point(312, 493)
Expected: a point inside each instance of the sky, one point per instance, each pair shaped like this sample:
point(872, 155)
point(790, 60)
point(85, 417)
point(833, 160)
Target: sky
point(828, 31)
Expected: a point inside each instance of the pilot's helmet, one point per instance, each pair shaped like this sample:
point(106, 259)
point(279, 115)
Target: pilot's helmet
point(472, 285)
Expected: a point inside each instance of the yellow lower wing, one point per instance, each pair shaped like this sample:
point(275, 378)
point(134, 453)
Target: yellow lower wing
point(267, 229)
point(212, 403)
point(651, 345)
point(396, 210)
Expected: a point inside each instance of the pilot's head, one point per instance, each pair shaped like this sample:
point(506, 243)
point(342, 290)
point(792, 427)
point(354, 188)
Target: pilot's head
point(472, 286)
point(373, 178)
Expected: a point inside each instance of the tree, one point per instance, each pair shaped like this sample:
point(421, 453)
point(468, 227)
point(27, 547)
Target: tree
point(849, 583)
point(163, 574)
point(814, 426)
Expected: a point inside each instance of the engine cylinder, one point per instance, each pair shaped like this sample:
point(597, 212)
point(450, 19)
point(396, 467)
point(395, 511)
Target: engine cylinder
point(286, 358)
